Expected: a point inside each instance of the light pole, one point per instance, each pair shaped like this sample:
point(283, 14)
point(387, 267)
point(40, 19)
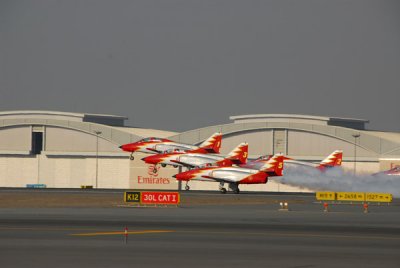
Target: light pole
point(97, 154)
point(355, 151)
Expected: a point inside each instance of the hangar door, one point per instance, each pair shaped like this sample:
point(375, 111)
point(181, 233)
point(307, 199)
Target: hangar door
point(279, 141)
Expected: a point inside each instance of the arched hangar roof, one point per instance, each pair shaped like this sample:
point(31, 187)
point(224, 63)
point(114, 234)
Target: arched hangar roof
point(111, 126)
point(381, 143)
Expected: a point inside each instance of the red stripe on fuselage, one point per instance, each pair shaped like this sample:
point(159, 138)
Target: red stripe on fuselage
point(260, 177)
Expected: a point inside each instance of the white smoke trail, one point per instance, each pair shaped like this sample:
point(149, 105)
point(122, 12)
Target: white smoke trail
point(335, 179)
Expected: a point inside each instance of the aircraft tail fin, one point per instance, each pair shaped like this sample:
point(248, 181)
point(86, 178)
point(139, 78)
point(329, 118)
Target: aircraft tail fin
point(274, 166)
point(213, 143)
point(333, 160)
point(239, 154)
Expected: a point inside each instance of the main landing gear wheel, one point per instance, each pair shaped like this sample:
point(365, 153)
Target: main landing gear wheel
point(187, 188)
point(175, 166)
point(163, 165)
point(234, 187)
point(223, 190)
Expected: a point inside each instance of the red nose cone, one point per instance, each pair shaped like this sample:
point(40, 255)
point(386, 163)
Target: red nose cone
point(130, 147)
point(184, 176)
point(153, 159)
point(180, 177)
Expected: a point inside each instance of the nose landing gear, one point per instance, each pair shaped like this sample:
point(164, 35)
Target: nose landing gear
point(131, 157)
point(221, 188)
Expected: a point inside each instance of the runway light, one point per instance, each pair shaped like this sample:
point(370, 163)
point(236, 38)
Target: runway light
point(325, 207)
point(126, 235)
point(365, 207)
point(284, 206)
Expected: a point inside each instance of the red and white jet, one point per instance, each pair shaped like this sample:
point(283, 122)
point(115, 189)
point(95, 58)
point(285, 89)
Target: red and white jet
point(390, 172)
point(332, 160)
point(234, 175)
point(236, 156)
point(153, 145)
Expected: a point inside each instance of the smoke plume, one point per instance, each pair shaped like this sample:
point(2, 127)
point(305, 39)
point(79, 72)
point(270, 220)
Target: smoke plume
point(338, 180)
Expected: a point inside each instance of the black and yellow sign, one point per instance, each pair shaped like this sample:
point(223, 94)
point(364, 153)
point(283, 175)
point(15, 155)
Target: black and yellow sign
point(328, 196)
point(155, 198)
point(132, 197)
point(350, 196)
point(378, 197)
point(354, 196)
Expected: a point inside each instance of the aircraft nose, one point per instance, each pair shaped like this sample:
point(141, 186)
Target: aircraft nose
point(129, 147)
point(181, 176)
point(124, 147)
point(151, 159)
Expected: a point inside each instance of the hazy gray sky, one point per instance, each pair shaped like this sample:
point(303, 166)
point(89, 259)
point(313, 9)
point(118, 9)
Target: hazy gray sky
point(180, 65)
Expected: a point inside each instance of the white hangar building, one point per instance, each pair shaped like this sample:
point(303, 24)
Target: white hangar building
point(68, 150)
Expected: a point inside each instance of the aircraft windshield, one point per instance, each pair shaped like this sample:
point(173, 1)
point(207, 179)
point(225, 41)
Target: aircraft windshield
point(150, 139)
point(264, 157)
point(205, 165)
point(172, 151)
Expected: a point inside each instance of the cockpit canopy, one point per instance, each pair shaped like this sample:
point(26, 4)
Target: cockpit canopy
point(205, 165)
point(263, 157)
point(153, 139)
point(173, 150)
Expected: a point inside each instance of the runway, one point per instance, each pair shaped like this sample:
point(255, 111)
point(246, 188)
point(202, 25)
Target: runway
point(202, 236)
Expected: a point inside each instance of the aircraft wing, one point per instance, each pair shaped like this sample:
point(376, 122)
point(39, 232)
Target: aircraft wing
point(183, 164)
point(219, 179)
point(300, 163)
point(154, 150)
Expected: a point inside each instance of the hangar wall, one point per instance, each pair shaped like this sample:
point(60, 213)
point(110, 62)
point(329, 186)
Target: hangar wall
point(143, 176)
point(17, 171)
point(303, 143)
point(68, 150)
point(69, 140)
point(15, 139)
point(67, 157)
point(261, 139)
point(63, 172)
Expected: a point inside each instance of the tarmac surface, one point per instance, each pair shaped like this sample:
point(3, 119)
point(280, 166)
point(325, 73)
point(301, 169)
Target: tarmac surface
point(223, 234)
